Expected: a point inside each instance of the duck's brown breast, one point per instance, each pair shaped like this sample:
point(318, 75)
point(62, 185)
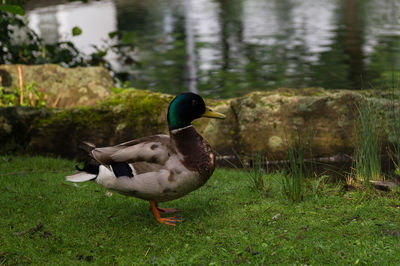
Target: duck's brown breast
point(197, 153)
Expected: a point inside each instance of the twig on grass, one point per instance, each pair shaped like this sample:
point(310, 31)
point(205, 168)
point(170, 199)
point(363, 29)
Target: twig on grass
point(32, 230)
point(56, 101)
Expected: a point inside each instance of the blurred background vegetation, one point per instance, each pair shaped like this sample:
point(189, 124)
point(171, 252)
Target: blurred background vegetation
point(217, 48)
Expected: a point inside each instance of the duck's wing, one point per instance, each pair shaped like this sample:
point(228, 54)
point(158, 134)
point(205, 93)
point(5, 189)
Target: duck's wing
point(153, 150)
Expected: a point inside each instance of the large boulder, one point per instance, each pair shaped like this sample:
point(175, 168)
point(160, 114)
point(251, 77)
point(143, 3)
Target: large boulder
point(63, 87)
point(258, 123)
point(324, 121)
point(267, 122)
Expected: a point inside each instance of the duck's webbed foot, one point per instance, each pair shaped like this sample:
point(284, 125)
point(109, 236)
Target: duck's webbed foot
point(166, 220)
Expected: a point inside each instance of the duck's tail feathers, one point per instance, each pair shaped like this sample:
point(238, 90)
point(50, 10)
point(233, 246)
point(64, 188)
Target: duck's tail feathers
point(81, 177)
point(90, 168)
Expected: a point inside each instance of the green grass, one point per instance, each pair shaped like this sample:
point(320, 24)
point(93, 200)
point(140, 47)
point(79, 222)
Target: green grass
point(225, 223)
point(293, 179)
point(395, 132)
point(367, 154)
point(260, 181)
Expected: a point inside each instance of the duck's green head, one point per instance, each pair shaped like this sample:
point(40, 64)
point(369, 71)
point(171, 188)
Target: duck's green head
point(187, 107)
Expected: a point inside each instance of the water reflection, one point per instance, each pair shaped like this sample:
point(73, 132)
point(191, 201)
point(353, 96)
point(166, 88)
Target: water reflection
point(224, 48)
point(54, 22)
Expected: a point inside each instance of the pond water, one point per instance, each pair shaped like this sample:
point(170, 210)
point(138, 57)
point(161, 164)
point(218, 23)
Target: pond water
point(226, 48)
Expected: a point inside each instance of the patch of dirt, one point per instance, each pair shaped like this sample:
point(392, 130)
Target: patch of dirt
point(394, 233)
point(86, 258)
point(241, 259)
point(13, 258)
point(251, 251)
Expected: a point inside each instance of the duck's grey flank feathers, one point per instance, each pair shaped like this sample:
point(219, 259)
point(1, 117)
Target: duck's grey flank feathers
point(154, 149)
point(145, 167)
point(164, 139)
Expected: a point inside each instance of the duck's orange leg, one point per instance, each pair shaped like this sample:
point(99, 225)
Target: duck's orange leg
point(167, 220)
point(166, 210)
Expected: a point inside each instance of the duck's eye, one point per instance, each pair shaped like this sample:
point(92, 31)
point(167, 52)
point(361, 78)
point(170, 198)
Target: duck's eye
point(194, 102)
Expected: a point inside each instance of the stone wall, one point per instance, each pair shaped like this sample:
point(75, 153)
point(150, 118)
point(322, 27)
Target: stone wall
point(257, 123)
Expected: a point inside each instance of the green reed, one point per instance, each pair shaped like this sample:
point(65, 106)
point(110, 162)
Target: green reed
point(367, 153)
point(293, 181)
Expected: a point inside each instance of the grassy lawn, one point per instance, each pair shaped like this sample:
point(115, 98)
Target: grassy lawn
point(46, 220)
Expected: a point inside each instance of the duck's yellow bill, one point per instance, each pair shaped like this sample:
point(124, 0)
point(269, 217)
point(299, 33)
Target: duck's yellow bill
point(211, 114)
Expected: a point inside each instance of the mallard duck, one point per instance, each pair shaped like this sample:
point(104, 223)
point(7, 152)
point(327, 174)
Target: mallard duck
point(157, 168)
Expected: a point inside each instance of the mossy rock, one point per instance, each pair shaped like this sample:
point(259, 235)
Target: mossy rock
point(122, 117)
point(16, 127)
point(62, 87)
point(261, 123)
point(268, 122)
